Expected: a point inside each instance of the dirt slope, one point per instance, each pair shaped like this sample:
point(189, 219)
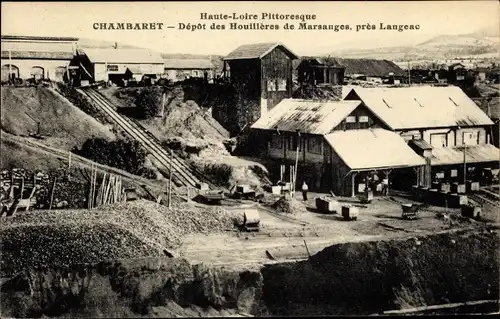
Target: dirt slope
point(64, 125)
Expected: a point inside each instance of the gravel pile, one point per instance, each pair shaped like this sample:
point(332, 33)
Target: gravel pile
point(287, 205)
point(122, 230)
point(32, 245)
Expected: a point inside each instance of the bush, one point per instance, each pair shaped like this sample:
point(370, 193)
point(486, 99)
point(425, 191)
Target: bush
point(81, 102)
point(148, 102)
point(219, 174)
point(123, 154)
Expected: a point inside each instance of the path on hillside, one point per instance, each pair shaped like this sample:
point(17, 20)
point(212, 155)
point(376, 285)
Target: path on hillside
point(86, 163)
point(185, 175)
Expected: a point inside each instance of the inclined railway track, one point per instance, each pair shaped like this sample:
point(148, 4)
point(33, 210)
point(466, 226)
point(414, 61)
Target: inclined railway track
point(192, 170)
point(184, 173)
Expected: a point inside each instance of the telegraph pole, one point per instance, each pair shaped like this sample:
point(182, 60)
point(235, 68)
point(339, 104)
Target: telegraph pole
point(409, 74)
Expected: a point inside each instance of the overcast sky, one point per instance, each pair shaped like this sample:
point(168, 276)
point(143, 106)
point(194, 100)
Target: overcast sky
point(76, 19)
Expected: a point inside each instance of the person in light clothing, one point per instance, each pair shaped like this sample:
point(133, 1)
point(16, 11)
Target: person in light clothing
point(305, 188)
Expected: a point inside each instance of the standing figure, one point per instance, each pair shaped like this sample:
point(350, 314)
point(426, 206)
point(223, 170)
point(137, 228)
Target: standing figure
point(305, 188)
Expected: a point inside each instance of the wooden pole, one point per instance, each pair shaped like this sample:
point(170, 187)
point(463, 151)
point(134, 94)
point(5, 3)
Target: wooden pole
point(465, 166)
point(307, 248)
point(94, 186)
point(296, 163)
point(52, 193)
point(170, 181)
point(101, 190)
point(89, 204)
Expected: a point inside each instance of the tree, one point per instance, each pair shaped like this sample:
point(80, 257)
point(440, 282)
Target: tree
point(148, 102)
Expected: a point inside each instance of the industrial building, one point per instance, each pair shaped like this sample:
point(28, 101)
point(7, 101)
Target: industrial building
point(410, 136)
point(117, 65)
point(28, 57)
point(262, 76)
point(182, 69)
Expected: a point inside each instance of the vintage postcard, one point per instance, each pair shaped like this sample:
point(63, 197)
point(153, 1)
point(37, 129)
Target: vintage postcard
point(249, 159)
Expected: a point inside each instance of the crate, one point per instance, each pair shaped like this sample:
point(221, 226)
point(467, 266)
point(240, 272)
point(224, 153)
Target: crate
point(409, 211)
point(276, 190)
point(326, 205)
point(243, 189)
point(366, 196)
point(472, 186)
point(456, 200)
point(470, 211)
point(350, 212)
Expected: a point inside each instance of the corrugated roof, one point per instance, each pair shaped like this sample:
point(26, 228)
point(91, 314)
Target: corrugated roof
point(473, 154)
point(123, 56)
point(188, 64)
point(370, 67)
point(422, 107)
point(37, 46)
point(373, 149)
point(37, 55)
point(308, 116)
point(35, 38)
point(256, 51)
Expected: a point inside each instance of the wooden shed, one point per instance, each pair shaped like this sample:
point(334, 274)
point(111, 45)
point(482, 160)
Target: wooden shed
point(262, 76)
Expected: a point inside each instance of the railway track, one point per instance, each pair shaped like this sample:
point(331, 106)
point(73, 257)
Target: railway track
point(184, 174)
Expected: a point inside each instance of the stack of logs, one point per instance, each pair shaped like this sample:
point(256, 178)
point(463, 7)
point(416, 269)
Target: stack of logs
point(110, 190)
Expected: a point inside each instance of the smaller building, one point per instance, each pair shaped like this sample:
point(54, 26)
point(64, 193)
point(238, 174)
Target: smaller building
point(112, 64)
point(181, 69)
point(372, 70)
point(320, 71)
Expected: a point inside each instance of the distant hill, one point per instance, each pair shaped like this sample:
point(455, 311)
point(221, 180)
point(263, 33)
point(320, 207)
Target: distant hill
point(482, 43)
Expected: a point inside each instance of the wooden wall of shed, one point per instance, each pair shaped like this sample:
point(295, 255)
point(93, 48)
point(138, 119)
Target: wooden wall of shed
point(276, 66)
point(340, 185)
point(245, 78)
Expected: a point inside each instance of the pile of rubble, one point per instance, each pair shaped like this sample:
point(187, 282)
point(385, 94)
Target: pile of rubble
point(121, 230)
point(32, 245)
point(287, 205)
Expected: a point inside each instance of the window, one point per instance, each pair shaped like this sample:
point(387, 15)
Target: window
point(112, 67)
point(314, 145)
point(439, 140)
point(276, 142)
point(470, 138)
point(195, 73)
point(271, 85)
point(453, 173)
point(281, 85)
point(363, 119)
point(292, 143)
point(350, 119)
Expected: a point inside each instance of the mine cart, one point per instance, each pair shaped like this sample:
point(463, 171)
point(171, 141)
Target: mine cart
point(410, 211)
point(244, 192)
point(350, 212)
point(251, 220)
point(366, 196)
point(213, 197)
point(326, 205)
point(471, 211)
